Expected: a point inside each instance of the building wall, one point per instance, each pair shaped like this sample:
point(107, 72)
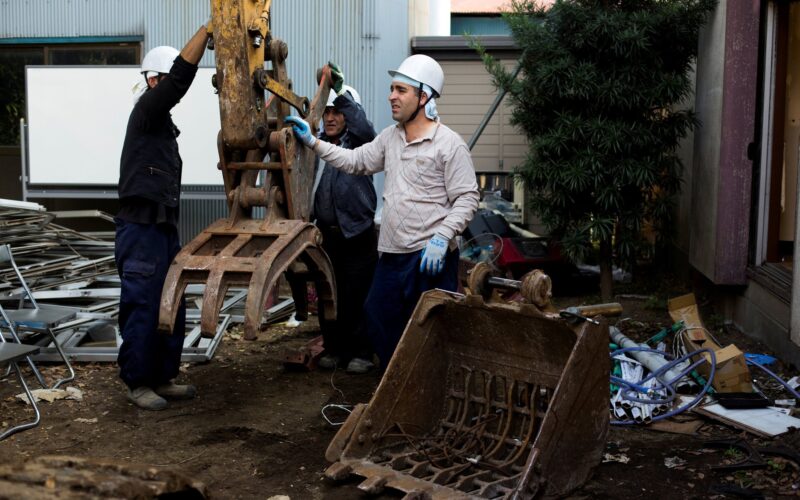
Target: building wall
point(721, 175)
point(468, 95)
point(366, 38)
point(707, 137)
point(479, 25)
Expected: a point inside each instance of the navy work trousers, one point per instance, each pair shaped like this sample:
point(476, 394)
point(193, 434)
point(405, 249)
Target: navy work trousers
point(143, 253)
point(395, 290)
point(353, 262)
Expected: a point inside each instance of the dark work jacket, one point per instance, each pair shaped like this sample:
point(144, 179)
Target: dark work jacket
point(150, 167)
point(352, 196)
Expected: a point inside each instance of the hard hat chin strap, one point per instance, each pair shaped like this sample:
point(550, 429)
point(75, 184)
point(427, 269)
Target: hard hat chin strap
point(420, 106)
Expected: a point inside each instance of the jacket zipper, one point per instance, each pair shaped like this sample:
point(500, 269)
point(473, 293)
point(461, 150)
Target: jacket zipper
point(153, 171)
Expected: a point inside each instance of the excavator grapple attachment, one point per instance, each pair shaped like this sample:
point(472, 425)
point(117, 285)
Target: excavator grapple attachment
point(482, 400)
point(262, 167)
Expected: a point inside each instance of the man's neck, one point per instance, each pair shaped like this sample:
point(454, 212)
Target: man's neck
point(418, 127)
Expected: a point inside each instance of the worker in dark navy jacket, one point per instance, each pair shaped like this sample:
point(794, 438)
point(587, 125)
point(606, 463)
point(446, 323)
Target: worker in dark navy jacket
point(147, 226)
point(344, 208)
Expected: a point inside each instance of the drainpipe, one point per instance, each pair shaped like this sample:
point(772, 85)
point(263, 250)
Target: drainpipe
point(488, 116)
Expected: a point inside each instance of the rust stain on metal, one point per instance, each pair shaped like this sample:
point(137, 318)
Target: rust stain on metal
point(243, 250)
point(515, 403)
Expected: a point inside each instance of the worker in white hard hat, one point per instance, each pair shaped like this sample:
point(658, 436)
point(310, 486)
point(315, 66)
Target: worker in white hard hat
point(344, 211)
point(430, 193)
point(147, 226)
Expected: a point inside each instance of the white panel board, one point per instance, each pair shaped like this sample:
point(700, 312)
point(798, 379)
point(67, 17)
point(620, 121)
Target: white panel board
point(77, 118)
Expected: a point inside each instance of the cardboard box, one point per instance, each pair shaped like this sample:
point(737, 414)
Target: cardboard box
point(732, 373)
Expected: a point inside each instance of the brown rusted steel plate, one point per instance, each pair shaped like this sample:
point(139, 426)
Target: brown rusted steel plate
point(237, 59)
point(246, 255)
point(482, 400)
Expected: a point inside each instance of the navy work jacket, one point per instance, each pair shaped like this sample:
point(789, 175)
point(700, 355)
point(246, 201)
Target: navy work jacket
point(352, 196)
point(150, 166)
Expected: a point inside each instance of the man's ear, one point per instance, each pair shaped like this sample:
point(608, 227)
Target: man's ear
point(423, 98)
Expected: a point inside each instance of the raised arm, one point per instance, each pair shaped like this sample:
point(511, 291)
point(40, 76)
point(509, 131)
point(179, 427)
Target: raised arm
point(194, 48)
point(171, 89)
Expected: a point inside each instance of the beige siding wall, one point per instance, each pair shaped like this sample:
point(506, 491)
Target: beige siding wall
point(468, 94)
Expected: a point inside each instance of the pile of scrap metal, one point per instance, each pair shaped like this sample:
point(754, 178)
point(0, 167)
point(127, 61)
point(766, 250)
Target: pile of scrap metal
point(484, 399)
point(76, 270)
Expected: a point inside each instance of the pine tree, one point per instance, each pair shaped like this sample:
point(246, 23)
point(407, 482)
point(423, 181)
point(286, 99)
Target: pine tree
point(598, 99)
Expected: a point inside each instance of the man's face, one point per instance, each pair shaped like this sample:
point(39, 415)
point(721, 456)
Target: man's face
point(404, 101)
point(333, 122)
point(152, 81)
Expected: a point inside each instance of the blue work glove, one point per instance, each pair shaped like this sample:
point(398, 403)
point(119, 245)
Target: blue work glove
point(302, 131)
point(432, 261)
point(337, 78)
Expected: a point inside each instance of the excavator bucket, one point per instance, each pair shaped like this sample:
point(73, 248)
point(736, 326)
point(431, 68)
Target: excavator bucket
point(262, 167)
point(482, 400)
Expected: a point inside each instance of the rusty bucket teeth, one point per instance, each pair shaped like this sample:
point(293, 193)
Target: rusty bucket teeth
point(482, 400)
point(253, 258)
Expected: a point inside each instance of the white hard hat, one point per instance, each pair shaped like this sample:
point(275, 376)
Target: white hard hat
point(159, 59)
point(348, 88)
point(423, 69)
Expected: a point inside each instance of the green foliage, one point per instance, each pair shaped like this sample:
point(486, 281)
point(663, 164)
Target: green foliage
point(776, 465)
point(733, 453)
point(598, 99)
point(656, 303)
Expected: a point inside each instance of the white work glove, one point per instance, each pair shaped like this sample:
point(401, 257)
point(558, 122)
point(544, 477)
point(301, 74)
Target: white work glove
point(302, 130)
point(432, 261)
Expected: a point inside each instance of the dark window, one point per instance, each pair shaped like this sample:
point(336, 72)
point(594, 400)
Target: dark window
point(75, 55)
point(13, 60)
point(496, 182)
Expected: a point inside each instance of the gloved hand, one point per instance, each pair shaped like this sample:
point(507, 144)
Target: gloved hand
point(302, 131)
point(337, 78)
point(432, 261)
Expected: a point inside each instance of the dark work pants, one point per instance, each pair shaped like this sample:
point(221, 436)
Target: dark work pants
point(143, 253)
point(353, 262)
point(395, 291)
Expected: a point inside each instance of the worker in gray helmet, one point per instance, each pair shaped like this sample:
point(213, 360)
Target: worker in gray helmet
point(430, 194)
point(147, 226)
point(344, 211)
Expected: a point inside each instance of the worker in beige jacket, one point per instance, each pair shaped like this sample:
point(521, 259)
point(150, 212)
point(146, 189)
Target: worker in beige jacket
point(430, 194)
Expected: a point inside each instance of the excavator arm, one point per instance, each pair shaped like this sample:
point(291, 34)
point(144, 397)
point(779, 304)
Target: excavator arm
point(262, 166)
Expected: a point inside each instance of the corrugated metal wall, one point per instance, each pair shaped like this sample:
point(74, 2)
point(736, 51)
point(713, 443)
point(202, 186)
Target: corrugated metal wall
point(46, 18)
point(173, 22)
point(197, 214)
point(365, 37)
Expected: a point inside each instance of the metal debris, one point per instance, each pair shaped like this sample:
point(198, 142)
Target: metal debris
point(76, 270)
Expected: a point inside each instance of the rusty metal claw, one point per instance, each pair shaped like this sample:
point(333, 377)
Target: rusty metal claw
point(261, 167)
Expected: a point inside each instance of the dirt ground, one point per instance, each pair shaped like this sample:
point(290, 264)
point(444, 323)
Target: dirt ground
point(255, 429)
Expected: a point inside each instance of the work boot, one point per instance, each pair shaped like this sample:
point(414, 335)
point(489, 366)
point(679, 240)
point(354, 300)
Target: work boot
point(172, 390)
point(145, 398)
point(328, 361)
point(359, 365)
